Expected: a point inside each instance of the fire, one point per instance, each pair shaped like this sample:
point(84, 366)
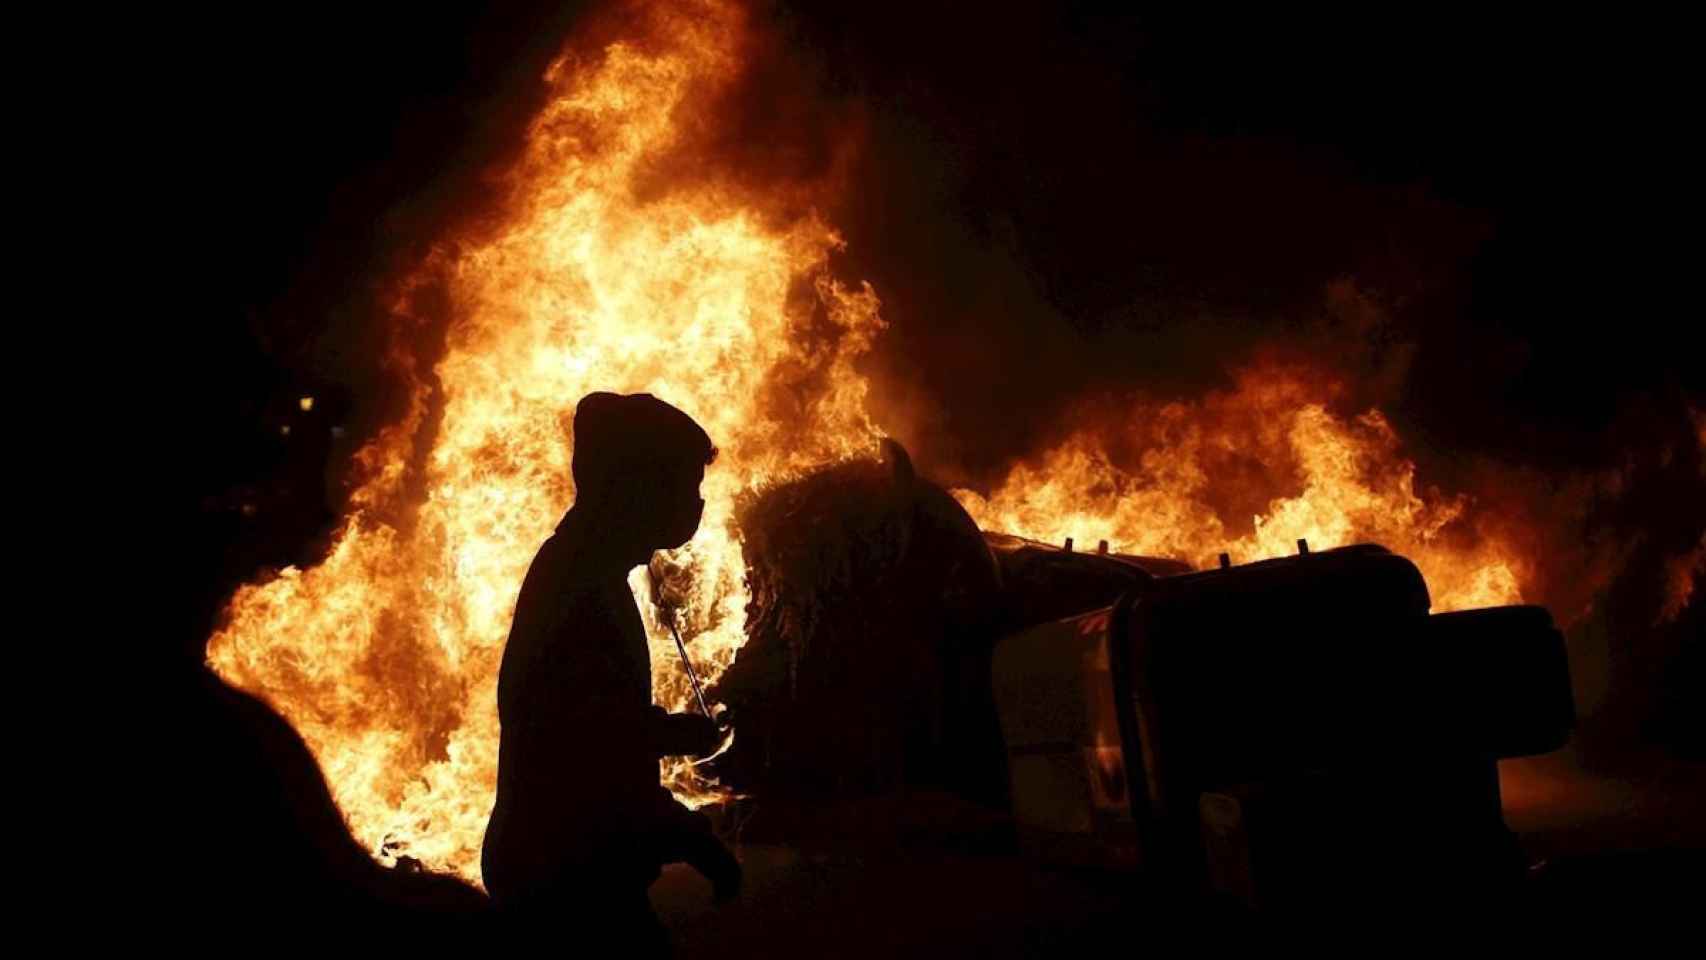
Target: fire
point(1160, 481)
point(385, 655)
point(1683, 573)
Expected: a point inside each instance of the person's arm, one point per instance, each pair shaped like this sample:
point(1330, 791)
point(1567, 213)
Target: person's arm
point(586, 683)
point(681, 734)
point(595, 674)
point(590, 697)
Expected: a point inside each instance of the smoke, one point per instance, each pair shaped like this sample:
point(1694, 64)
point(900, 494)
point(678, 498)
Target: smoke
point(1072, 217)
point(1067, 213)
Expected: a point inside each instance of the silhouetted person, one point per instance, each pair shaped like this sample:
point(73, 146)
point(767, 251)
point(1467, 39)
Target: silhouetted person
point(581, 825)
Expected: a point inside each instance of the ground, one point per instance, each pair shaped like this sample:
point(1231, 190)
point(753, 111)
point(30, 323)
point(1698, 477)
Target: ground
point(1613, 855)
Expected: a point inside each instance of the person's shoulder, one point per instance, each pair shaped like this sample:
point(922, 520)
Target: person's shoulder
point(568, 581)
point(557, 564)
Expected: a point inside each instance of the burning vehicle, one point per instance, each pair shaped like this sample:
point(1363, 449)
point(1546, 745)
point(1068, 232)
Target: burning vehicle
point(1258, 725)
point(1124, 698)
point(1248, 728)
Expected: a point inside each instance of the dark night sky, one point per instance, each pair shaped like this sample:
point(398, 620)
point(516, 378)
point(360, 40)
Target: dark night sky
point(1181, 185)
point(1100, 200)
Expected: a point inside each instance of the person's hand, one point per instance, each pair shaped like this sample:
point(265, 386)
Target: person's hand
point(692, 735)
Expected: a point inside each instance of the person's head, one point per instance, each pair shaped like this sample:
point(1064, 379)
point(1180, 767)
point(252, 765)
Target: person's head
point(638, 463)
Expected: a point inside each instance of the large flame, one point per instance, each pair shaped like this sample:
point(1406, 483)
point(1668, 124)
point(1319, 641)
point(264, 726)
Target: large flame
point(384, 655)
point(1163, 479)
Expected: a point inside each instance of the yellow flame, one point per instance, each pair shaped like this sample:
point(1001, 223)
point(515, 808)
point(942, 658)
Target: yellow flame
point(384, 656)
point(1318, 477)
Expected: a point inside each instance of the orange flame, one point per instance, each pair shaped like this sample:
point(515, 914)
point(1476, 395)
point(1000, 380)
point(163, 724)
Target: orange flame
point(384, 656)
point(1272, 443)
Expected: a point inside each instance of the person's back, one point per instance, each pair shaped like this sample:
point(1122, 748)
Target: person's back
point(568, 776)
point(581, 823)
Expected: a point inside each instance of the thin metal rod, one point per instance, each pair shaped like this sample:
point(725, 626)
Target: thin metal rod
point(687, 665)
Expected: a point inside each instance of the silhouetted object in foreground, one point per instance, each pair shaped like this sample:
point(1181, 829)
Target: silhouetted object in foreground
point(257, 843)
point(869, 588)
point(581, 826)
point(863, 694)
point(1299, 733)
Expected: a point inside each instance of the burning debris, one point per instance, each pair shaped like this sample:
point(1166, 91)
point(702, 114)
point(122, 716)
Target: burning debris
point(1182, 479)
point(835, 602)
point(384, 654)
point(1147, 732)
point(1044, 582)
point(868, 586)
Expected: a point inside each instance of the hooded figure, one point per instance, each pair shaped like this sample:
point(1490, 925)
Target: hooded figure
point(581, 825)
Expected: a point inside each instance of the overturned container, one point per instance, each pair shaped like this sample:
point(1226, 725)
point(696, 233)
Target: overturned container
point(1274, 729)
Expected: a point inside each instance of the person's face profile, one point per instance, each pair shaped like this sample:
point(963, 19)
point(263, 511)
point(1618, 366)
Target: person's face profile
point(684, 507)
